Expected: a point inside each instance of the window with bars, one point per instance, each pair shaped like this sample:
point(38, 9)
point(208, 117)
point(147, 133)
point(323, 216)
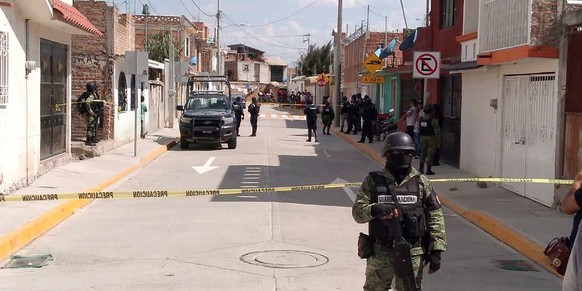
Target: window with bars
point(3, 68)
point(448, 8)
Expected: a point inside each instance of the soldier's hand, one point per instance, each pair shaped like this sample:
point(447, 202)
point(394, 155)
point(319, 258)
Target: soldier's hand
point(383, 210)
point(434, 259)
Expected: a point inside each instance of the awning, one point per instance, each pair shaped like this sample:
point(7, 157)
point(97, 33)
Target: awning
point(69, 14)
point(463, 66)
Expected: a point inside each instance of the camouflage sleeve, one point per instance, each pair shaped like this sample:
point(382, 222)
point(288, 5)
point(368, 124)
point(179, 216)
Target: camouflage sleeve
point(89, 103)
point(361, 210)
point(437, 129)
point(435, 221)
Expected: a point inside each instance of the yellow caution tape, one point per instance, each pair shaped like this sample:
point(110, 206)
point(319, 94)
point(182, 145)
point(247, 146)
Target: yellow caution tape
point(58, 106)
point(138, 194)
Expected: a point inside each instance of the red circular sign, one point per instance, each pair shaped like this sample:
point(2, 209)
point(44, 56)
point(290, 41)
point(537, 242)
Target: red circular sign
point(321, 82)
point(423, 67)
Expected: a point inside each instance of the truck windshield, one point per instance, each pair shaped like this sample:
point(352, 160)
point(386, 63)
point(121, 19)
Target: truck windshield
point(208, 102)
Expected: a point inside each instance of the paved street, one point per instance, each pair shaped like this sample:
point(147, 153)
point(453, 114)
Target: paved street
point(269, 241)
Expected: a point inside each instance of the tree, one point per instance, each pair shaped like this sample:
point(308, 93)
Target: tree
point(316, 61)
point(159, 49)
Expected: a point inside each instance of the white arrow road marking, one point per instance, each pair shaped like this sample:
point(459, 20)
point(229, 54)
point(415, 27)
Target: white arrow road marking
point(206, 168)
point(348, 190)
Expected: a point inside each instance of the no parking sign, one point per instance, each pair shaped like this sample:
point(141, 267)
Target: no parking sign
point(427, 65)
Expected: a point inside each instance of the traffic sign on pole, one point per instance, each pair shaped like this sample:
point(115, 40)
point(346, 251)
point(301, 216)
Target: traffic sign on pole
point(373, 63)
point(427, 65)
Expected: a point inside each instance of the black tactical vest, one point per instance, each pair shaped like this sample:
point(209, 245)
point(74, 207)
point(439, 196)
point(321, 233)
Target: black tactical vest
point(311, 112)
point(426, 127)
point(411, 209)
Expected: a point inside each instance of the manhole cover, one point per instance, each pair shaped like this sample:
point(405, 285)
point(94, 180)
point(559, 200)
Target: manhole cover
point(285, 259)
point(28, 262)
point(515, 265)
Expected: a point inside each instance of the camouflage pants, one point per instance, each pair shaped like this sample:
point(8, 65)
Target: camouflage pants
point(428, 145)
point(383, 258)
point(91, 124)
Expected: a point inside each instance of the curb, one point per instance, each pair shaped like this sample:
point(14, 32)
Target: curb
point(25, 234)
point(485, 222)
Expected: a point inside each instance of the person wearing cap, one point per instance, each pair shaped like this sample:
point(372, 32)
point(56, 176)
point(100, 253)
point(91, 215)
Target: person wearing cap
point(254, 110)
point(418, 209)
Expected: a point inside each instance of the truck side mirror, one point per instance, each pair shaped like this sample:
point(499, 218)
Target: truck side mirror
point(180, 107)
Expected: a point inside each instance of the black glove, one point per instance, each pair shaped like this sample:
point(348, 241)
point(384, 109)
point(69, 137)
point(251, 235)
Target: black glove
point(434, 258)
point(381, 210)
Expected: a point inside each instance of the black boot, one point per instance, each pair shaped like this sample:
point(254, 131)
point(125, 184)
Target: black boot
point(421, 168)
point(95, 140)
point(429, 171)
point(89, 142)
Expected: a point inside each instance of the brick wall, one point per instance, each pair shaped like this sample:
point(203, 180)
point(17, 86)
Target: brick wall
point(124, 35)
point(90, 63)
point(544, 23)
point(570, 7)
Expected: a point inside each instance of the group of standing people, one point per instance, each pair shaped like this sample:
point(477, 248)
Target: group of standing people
point(360, 114)
point(327, 117)
point(254, 109)
point(423, 124)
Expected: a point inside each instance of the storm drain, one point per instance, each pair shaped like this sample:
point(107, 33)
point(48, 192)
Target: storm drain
point(285, 259)
point(515, 265)
point(17, 262)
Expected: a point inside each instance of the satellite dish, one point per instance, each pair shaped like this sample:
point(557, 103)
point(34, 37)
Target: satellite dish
point(388, 50)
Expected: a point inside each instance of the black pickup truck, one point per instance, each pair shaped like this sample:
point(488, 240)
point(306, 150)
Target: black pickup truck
point(208, 118)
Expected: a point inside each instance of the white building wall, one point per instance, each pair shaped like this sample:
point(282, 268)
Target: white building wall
point(20, 119)
point(481, 135)
point(124, 123)
point(265, 73)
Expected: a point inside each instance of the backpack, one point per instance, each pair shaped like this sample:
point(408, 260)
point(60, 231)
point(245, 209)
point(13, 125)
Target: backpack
point(82, 103)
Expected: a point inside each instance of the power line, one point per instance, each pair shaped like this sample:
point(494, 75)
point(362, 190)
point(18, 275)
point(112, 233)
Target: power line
point(287, 17)
point(187, 9)
point(370, 9)
point(200, 9)
point(253, 34)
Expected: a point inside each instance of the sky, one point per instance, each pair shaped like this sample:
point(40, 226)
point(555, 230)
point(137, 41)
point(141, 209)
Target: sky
point(278, 26)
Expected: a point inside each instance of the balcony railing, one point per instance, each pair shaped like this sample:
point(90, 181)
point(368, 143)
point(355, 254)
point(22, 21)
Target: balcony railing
point(504, 24)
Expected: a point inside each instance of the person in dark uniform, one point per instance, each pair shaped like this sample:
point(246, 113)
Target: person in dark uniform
point(238, 107)
point(369, 114)
point(352, 124)
point(359, 108)
point(327, 116)
point(254, 110)
point(311, 112)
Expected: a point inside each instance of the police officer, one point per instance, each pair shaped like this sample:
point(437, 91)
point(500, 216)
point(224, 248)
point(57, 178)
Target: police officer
point(238, 107)
point(369, 115)
point(327, 116)
point(421, 215)
point(311, 112)
point(353, 116)
point(430, 136)
point(254, 110)
point(91, 97)
point(359, 108)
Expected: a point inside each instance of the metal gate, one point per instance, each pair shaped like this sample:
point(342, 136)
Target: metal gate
point(529, 133)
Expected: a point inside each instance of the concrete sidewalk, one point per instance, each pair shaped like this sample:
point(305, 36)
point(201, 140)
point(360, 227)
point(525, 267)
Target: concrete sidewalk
point(22, 222)
point(523, 224)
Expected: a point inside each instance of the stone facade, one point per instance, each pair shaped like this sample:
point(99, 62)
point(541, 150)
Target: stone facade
point(544, 23)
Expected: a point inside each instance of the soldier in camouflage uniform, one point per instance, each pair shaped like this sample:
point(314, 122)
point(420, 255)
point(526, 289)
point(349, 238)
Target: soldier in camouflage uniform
point(89, 114)
point(430, 136)
point(421, 216)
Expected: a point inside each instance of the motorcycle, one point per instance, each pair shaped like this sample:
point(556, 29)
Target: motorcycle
point(385, 125)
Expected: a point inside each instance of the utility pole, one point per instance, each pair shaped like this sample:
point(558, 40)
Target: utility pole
point(368, 19)
point(173, 96)
point(404, 14)
point(337, 67)
point(146, 12)
point(218, 37)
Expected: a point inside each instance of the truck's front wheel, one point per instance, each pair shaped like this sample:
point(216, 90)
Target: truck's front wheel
point(232, 143)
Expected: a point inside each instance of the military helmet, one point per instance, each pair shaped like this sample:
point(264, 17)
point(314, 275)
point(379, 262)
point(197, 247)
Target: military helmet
point(398, 141)
point(92, 86)
point(428, 108)
point(238, 98)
